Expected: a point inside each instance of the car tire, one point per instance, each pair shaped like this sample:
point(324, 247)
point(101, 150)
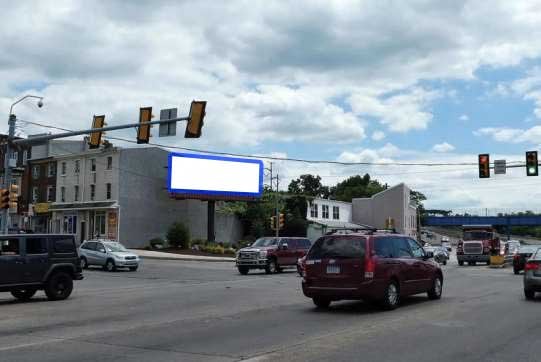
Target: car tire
point(436, 289)
point(84, 263)
point(109, 265)
point(24, 294)
point(321, 303)
point(59, 286)
point(529, 294)
point(444, 262)
point(133, 268)
point(272, 267)
point(243, 270)
point(391, 297)
point(461, 263)
point(516, 271)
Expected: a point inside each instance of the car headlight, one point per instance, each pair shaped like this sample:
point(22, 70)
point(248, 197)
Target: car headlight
point(263, 254)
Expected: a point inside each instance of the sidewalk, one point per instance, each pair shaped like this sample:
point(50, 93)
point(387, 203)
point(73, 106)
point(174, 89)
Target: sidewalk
point(147, 254)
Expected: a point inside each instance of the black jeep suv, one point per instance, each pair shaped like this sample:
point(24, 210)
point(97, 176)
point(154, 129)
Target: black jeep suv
point(32, 262)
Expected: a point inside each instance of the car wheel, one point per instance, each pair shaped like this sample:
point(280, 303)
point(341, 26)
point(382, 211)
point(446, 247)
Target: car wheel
point(460, 262)
point(529, 294)
point(444, 262)
point(322, 303)
point(133, 268)
point(110, 265)
point(24, 294)
point(436, 289)
point(243, 270)
point(488, 263)
point(59, 286)
point(391, 298)
point(272, 267)
point(84, 263)
point(516, 271)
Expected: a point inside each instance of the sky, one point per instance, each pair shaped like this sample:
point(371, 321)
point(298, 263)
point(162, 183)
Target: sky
point(351, 81)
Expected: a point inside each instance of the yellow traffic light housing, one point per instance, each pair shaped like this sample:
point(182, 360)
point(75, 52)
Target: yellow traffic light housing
point(95, 137)
point(13, 196)
point(532, 166)
point(4, 199)
point(195, 121)
point(143, 132)
point(281, 220)
point(273, 222)
point(484, 166)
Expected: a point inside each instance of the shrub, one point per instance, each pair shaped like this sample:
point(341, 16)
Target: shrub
point(230, 251)
point(157, 243)
point(219, 250)
point(179, 235)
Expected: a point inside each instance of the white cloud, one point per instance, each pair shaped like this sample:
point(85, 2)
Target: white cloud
point(464, 118)
point(443, 147)
point(512, 135)
point(378, 135)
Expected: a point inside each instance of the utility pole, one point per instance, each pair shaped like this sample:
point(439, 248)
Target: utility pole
point(277, 205)
point(7, 169)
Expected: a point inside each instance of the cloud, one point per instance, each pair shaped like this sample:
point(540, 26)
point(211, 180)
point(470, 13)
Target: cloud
point(443, 147)
point(464, 118)
point(378, 135)
point(511, 135)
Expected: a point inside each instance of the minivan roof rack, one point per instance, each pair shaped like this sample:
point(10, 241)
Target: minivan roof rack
point(360, 230)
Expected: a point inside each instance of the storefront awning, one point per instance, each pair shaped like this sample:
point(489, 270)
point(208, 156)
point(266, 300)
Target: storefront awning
point(84, 206)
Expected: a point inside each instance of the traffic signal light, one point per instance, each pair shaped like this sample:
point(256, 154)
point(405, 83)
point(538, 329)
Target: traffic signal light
point(195, 123)
point(273, 222)
point(95, 137)
point(4, 199)
point(143, 132)
point(484, 166)
point(532, 167)
point(13, 196)
point(281, 221)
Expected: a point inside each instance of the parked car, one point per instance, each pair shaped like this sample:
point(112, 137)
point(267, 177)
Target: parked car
point(369, 266)
point(32, 262)
point(272, 254)
point(521, 256)
point(532, 275)
point(108, 254)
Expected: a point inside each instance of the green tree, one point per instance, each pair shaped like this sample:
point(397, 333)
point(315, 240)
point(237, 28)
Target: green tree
point(356, 187)
point(178, 235)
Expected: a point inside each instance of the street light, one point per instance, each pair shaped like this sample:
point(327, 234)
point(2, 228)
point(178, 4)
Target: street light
point(11, 134)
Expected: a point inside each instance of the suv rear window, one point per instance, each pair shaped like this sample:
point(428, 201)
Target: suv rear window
point(338, 247)
point(64, 246)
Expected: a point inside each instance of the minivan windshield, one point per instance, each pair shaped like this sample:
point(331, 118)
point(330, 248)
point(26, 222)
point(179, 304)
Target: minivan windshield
point(265, 242)
point(477, 235)
point(115, 247)
point(346, 247)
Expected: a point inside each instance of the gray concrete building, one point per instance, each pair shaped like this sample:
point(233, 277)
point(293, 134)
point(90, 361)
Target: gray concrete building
point(120, 194)
point(390, 208)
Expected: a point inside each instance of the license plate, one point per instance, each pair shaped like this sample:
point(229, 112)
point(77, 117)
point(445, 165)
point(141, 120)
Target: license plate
point(333, 269)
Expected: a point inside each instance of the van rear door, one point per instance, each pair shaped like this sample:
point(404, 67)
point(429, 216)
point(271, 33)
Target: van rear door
point(336, 261)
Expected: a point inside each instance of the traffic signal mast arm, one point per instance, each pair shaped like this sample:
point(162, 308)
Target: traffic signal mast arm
point(40, 139)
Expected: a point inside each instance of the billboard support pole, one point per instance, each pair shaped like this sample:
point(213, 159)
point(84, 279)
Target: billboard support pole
point(211, 207)
point(277, 212)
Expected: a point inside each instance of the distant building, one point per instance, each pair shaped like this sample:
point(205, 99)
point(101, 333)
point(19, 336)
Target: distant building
point(391, 208)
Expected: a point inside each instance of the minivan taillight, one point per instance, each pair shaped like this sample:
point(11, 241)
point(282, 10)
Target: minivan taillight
point(369, 267)
point(531, 266)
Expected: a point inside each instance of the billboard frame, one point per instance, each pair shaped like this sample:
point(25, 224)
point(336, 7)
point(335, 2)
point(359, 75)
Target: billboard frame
point(211, 194)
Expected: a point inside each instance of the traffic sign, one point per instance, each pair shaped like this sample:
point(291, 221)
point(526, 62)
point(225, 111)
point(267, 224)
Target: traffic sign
point(170, 128)
point(500, 167)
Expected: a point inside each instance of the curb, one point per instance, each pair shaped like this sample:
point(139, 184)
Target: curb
point(187, 258)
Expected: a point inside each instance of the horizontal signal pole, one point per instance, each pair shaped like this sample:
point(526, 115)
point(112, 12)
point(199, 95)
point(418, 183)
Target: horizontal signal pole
point(39, 139)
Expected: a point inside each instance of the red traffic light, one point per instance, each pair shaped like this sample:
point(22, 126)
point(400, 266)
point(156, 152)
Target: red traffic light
point(484, 165)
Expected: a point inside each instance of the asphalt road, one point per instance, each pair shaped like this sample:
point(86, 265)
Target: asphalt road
point(190, 311)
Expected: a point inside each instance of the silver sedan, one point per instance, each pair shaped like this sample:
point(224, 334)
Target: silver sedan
point(532, 275)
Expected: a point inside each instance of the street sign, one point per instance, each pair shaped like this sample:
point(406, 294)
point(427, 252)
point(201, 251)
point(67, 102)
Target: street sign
point(170, 128)
point(500, 167)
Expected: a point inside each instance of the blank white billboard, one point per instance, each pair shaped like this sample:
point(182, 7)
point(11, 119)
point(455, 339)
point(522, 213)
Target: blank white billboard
point(195, 174)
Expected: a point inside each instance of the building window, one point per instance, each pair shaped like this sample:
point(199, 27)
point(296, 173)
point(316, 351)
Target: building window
point(25, 157)
point(109, 163)
point(336, 213)
point(93, 165)
point(35, 194)
point(52, 169)
point(94, 178)
point(70, 225)
point(325, 211)
point(63, 168)
point(92, 192)
point(99, 224)
point(77, 166)
point(51, 191)
point(76, 190)
point(35, 172)
point(63, 194)
point(313, 210)
point(108, 191)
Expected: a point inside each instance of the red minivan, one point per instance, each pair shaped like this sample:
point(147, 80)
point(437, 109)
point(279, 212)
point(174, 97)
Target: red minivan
point(378, 267)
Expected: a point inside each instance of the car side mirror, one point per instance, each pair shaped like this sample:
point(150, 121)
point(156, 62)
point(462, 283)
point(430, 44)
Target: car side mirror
point(429, 255)
point(102, 251)
point(284, 246)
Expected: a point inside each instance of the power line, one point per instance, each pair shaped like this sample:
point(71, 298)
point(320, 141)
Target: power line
point(273, 158)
